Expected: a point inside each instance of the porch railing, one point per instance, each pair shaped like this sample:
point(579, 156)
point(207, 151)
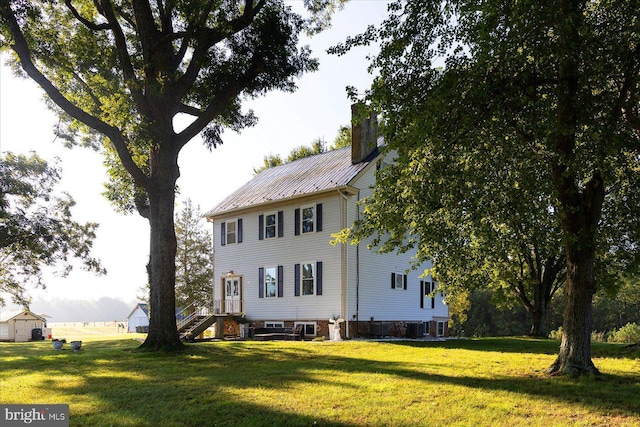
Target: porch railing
point(227, 306)
point(187, 314)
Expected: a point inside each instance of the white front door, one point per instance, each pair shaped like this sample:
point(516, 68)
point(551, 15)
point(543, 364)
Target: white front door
point(232, 294)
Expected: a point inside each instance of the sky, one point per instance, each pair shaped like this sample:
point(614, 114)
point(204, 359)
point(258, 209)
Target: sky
point(286, 120)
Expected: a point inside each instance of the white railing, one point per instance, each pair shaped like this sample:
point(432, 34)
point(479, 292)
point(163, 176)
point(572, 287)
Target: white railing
point(191, 312)
point(227, 306)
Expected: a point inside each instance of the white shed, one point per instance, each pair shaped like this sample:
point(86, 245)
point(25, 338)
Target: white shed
point(139, 317)
point(18, 326)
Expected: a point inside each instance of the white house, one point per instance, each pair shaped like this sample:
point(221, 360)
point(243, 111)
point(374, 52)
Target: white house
point(274, 261)
point(138, 318)
point(19, 326)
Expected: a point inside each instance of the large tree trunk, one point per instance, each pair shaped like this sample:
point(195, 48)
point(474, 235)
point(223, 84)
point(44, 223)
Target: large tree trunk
point(574, 357)
point(540, 315)
point(162, 323)
point(580, 204)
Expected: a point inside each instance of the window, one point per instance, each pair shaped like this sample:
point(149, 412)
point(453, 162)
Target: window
point(307, 279)
point(270, 225)
point(440, 330)
point(271, 324)
point(270, 282)
point(398, 281)
point(309, 329)
point(231, 232)
point(308, 219)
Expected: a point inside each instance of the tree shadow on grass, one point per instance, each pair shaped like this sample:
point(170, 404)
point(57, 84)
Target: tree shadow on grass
point(522, 345)
point(216, 384)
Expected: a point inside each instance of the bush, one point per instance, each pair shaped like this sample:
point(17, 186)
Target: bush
point(557, 334)
point(629, 333)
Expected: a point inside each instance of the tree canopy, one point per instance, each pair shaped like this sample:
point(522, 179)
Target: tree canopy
point(318, 146)
point(36, 227)
point(120, 73)
point(517, 132)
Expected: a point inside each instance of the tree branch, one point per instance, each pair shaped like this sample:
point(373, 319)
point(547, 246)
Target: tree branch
point(21, 48)
point(90, 25)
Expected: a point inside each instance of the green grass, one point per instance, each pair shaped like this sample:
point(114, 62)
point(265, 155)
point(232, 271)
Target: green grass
point(467, 382)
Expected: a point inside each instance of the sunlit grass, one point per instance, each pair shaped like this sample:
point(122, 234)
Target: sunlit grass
point(470, 382)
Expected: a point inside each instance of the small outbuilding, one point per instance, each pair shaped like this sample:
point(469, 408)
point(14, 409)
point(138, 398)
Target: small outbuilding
point(139, 318)
point(21, 326)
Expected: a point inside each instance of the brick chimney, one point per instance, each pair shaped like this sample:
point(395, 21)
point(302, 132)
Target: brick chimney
point(364, 134)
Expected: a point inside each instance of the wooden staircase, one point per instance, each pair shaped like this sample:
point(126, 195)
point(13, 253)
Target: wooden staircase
point(195, 326)
point(194, 320)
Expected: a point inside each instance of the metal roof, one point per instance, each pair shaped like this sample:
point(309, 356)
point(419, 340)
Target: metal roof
point(315, 174)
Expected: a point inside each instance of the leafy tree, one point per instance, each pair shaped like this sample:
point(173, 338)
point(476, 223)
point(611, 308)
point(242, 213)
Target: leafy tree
point(343, 139)
point(512, 122)
point(318, 146)
point(194, 271)
point(269, 161)
point(119, 73)
point(36, 227)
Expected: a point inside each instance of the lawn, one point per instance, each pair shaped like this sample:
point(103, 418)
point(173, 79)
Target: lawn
point(495, 381)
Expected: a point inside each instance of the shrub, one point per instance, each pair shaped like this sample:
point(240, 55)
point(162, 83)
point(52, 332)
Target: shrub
point(629, 333)
point(557, 334)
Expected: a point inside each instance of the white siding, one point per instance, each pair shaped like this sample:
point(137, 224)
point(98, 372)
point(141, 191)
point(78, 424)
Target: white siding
point(356, 281)
point(375, 297)
point(245, 258)
point(137, 318)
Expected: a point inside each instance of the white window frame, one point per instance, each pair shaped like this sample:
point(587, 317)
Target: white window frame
point(426, 325)
point(274, 281)
point(400, 276)
point(311, 221)
point(235, 232)
point(273, 324)
point(439, 324)
point(305, 324)
point(302, 278)
point(274, 225)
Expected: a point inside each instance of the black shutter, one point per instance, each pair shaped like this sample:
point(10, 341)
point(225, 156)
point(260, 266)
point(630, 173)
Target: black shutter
point(296, 225)
point(280, 223)
point(433, 298)
point(393, 280)
point(261, 227)
point(319, 278)
point(296, 280)
point(280, 281)
point(223, 233)
point(239, 230)
point(404, 281)
point(319, 217)
point(260, 282)
point(421, 293)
